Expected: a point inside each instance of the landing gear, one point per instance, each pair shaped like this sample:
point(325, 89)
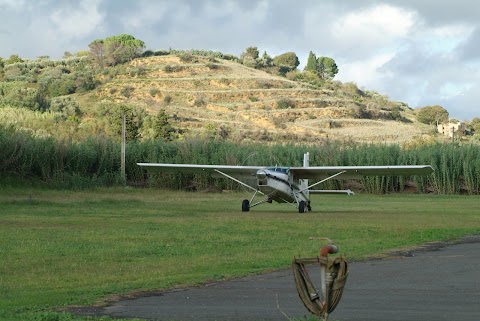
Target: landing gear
point(245, 206)
point(302, 207)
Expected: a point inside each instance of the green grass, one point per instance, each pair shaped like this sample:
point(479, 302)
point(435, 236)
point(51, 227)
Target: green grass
point(62, 248)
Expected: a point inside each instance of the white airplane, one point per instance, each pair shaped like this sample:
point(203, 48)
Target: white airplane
point(288, 184)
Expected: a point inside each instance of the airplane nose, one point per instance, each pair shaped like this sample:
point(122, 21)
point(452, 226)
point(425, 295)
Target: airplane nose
point(261, 174)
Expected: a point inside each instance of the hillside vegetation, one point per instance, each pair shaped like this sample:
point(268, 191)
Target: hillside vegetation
point(200, 96)
point(216, 97)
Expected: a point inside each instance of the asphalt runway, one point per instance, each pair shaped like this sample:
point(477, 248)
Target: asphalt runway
point(432, 283)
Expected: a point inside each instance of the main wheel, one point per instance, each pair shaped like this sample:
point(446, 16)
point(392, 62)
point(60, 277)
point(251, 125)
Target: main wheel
point(302, 207)
point(245, 206)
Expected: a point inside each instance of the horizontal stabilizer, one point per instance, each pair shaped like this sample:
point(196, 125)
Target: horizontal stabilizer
point(332, 191)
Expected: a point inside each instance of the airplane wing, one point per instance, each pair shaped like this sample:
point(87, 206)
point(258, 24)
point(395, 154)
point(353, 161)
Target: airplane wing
point(319, 172)
point(352, 172)
point(243, 172)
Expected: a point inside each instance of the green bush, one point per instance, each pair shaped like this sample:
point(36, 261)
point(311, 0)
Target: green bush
point(285, 103)
point(66, 106)
point(21, 95)
point(167, 99)
point(187, 57)
point(154, 91)
point(172, 68)
point(127, 91)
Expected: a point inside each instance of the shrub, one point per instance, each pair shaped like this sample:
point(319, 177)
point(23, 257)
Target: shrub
point(285, 103)
point(264, 84)
point(250, 62)
point(167, 99)
point(148, 53)
point(172, 68)
point(199, 102)
point(187, 58)
point(225, 81)
point(161, 53)
point(153, 91)
point(351, 89)
point(294, 75)
point(127, 91)
point(17, 94)
point(213, 66)
point(63, 86)
point(66, 106)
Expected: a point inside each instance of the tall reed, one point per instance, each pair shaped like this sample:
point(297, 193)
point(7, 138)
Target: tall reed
point(96, 162)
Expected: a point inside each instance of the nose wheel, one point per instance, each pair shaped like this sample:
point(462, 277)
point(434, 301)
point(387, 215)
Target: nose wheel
point(302, 207)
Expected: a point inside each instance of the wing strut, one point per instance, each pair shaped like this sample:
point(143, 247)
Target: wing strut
point(238, 181)
point(323, 180)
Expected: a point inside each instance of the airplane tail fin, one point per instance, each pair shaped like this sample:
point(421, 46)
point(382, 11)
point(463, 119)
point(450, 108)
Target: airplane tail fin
point(306, 163)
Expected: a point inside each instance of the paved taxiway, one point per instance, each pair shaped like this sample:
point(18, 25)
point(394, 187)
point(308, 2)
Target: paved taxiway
point(435, 284)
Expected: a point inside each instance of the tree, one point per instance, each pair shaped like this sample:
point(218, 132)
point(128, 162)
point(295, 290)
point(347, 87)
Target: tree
point(475, 125)
point(311, 63)
point(326, 68)
point(289, 60)
point(162, 128)
point(250, 57)
point(251, 52)
point(432, 115)
point(266, 60)
point(134, 118)
point(66, 106)
point(13, 59)
point(115, 50)
point(20, 95)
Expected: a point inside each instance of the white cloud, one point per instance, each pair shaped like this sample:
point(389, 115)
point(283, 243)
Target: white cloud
point(466, 104)
point(372, 29)
point(379, 22)
point(147, 14)
point(12, 4)
point(77, 22)
point(365, 73)
point(442, 39)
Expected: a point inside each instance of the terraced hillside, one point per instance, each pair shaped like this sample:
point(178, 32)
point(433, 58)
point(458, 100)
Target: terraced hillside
point(209, 96)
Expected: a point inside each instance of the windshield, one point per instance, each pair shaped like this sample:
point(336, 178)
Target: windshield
point(283, 170)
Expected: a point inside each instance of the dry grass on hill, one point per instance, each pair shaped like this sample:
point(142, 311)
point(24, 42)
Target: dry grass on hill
point(248, 103)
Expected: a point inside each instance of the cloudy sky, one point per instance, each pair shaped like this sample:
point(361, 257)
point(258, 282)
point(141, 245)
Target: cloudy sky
point(422, 52)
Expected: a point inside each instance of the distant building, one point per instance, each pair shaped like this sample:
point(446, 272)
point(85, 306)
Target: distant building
point(452, 128)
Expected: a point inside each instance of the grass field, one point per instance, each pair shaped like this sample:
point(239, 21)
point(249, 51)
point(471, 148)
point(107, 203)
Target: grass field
point(63, 248)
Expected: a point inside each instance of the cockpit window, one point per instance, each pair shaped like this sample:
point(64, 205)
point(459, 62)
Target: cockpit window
point(283, 170)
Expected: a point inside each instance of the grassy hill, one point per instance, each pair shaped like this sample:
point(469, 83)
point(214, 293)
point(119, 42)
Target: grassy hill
point(206, 94)
point(213, 97)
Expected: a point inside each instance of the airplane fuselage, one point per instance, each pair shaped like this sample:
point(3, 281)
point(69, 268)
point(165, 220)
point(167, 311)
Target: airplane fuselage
point(279, 186)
